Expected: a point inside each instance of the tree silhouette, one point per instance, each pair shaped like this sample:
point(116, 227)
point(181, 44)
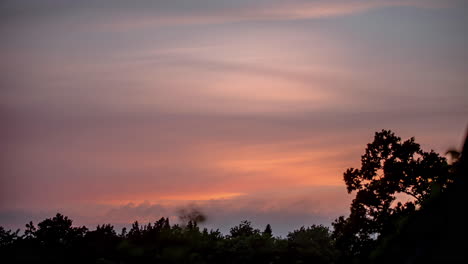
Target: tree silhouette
point(58, 231)
point(437, 232)
point(389, 167)
point(268, 231)
point(7, 237)
point(30, 231)
point(244, 229)
point(312, 244)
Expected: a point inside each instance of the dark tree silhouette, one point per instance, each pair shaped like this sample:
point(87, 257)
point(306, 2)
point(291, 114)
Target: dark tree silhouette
point(58, 231)
point(312, 244)
point(268, 231)
point(7, 237)
point(244, 229)
point(30, 231)
point(389, 167)
point(437, 232)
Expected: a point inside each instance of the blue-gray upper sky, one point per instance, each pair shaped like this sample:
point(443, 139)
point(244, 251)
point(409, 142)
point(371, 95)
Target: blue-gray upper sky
point(127, 110)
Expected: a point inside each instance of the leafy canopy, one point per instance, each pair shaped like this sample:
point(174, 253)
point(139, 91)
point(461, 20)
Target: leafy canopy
point(389, 167)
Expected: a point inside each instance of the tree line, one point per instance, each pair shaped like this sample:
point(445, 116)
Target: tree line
point(379, 229)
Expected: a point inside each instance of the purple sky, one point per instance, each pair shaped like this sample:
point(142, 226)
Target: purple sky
point(115, 111)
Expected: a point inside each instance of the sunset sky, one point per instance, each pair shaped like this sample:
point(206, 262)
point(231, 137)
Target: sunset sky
point(115, 111)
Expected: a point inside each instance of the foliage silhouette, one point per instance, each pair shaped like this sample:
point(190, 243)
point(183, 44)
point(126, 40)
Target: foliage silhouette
point(389, 167)
point(312, 244)
point(437, 232)
point(57, 241)
point(268, 231)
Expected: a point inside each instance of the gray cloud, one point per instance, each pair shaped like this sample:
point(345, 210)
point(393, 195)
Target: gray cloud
point(151, 13)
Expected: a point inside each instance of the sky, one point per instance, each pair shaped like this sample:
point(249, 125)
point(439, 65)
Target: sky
point(115, 111)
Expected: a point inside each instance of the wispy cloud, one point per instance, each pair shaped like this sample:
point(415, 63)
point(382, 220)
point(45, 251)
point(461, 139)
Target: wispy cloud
point(260, 11)
point(120, 15)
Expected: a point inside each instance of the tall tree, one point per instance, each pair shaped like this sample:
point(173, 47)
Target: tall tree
point(268, 231)
point(389, 167)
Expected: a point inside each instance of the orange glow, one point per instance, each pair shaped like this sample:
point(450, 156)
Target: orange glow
point(171, 198)
point(259, 167)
